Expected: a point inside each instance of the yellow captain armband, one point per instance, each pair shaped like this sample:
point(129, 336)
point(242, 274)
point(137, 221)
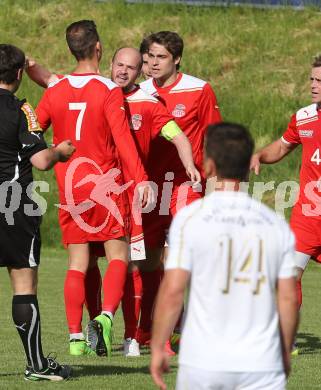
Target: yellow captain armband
point(170, 130)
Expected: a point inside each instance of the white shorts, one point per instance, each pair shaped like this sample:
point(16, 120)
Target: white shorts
point(191, 378)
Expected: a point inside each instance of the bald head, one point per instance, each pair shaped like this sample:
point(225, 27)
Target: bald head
point(128, 52)
point(125, 68)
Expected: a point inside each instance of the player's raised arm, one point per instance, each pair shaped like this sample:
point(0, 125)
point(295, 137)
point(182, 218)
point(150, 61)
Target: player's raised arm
point(39, 74)
point(278, 149)
point(271, 154)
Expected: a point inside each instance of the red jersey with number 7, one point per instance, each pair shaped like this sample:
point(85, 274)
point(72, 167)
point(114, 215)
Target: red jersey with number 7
point(89, 110)
point(305, 128)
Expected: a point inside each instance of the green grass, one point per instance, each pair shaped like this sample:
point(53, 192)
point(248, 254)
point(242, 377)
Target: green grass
point(89, 372)
point(119, 372)
point(258, 61)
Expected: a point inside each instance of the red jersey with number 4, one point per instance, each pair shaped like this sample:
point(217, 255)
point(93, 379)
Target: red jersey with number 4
point(88, 109)
point(305, 128)
point(193, 104)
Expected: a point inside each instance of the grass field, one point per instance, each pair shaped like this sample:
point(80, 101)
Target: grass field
point(258, 62)
point(121, 373)
point(89, 372)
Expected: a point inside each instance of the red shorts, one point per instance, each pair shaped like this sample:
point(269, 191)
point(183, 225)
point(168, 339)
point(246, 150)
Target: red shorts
point(157, 222)
point(96, 224)
point(307, 231)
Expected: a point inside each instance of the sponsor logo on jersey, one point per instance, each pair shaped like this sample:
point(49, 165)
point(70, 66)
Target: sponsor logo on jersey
point(31, 117)
point(136, 122)
point(179, 111)
point(306, 133)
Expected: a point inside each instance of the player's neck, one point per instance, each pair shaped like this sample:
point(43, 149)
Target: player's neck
point(9, 87)
point(129, 88)
point(166, 81)
point(87, 66)
point(227, 185)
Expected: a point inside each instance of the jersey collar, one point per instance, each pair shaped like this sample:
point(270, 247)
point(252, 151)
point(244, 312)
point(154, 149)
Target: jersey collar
point(169, 87)
point(5, 92)
point(137, 87)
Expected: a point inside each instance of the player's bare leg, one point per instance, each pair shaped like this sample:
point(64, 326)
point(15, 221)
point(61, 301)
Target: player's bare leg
point(74, 292)
point(301, 260)
point(93, 285)
point(24, 280)
point(100, 329)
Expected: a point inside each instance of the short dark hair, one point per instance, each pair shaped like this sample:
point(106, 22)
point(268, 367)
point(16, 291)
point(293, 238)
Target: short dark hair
point(317, 61)
point(172, 42)
point(230, 146)
point(11, 60)
point(144, 46)
point(82, 37)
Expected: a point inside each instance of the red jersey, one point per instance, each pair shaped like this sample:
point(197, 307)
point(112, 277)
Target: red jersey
point(305, 128)
point(146, 116)
point(89, 110)
point(193, 104)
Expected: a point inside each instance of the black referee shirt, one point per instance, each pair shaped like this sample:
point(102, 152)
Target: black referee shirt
point(20, 138)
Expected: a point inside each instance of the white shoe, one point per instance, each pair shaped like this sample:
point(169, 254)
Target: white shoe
point(131, 348)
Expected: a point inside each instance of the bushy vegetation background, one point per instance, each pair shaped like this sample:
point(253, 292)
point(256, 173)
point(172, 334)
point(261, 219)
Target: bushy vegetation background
point(258, 62)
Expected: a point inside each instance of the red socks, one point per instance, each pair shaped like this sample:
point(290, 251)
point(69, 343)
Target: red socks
point(113, 285)
point(131, 303)
point(93, 292)
point(299, 293)
point(151, 282)
point(74, 292)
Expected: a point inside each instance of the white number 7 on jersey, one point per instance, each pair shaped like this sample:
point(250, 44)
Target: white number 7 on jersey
point(81, 107)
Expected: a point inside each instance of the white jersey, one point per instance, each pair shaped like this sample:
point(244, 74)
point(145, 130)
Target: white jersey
point(236, 249)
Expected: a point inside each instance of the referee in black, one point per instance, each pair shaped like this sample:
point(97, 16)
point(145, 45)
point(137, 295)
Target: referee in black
point(22, 146)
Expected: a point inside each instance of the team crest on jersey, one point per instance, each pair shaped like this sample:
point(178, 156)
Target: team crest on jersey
point(306, 133)
point(31, 117)
point(136, 122)
point(179, 111)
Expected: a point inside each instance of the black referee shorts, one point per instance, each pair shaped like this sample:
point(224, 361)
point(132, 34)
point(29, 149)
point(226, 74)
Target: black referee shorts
point(20, 242)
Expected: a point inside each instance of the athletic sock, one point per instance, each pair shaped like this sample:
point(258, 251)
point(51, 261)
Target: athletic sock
point(93, 292)
point(74, 292)
point(150, 282)
point(76, 336)
point(299, 293)
point(113, 285)
point(131, 303)
point(26, 317)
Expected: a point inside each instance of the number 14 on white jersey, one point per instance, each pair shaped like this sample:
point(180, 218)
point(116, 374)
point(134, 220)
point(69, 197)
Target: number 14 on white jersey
point(242, 266)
